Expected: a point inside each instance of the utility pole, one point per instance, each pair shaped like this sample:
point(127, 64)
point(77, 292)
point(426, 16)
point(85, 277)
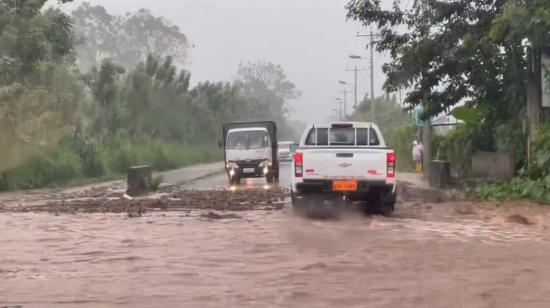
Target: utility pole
point(371, 36)
point(355, 70)
point(371, 66)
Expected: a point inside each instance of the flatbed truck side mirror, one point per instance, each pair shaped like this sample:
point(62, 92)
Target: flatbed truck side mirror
point(220, 144)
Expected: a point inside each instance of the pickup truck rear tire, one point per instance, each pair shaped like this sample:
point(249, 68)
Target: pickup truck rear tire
point(386, 209)
point(380, 203)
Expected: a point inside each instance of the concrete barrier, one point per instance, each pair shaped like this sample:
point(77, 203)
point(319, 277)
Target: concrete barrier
point(493, 166)
point(139, 180)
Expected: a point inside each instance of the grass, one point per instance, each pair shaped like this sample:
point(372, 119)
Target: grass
point(76, 162)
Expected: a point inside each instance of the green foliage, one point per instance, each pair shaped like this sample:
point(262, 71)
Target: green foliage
point(136, 107)
point(78, 157)
point(159, 155)
point(55, 166)
point(395, 124)
point(509, 138)
point(40, 94)
point(534, 185)
point(266, 86)
point(401, 142)
point(470, 115)
point(457, 148)
point(540, 165)
point(474, 52)
point(518, 188)
point(125, 39)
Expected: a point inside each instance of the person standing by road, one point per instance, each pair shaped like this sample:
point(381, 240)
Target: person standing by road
point(417, 150)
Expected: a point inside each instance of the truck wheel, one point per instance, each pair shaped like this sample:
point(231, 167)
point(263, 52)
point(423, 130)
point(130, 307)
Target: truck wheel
point(386, 209)
point(380, 204)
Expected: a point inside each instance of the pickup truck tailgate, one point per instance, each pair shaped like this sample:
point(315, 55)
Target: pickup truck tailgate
point(358, 163)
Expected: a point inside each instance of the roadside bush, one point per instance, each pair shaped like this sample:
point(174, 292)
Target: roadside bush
point(92, 155)
point(79, 157)
point(540, 164)
point(457, 148)
point(159, 155)
point(56, 166)
point(509, 138)
point(534, 185)
point(518, 188)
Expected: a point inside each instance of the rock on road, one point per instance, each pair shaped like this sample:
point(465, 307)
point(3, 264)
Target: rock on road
point(450, 254)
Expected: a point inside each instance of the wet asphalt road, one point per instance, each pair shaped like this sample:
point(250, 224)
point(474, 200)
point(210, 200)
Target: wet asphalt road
point(220, 180)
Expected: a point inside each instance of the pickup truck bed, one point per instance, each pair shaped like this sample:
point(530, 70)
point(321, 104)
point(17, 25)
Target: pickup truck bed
point(348, 161)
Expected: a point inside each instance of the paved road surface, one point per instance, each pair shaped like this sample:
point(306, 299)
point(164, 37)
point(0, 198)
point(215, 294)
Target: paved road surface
point(220, 180)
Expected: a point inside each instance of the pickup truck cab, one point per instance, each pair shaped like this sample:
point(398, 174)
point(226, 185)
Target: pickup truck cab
point(346, 161)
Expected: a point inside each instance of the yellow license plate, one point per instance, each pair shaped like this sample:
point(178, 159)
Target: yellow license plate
point(344, 186)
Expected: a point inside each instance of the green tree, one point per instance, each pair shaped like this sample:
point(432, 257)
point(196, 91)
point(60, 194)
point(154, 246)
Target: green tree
point(267, 84)
point(106, 90)
point(454, 52)
point(126, 39)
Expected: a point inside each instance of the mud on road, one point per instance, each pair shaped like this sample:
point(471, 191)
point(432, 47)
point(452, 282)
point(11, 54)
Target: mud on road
point(113, 200)
point(245, 249)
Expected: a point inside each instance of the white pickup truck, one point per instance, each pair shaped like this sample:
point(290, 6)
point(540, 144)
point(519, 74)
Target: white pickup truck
point(346, 161)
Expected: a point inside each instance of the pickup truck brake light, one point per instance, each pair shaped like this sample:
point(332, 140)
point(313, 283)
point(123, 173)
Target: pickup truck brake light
point(299, 164)
point(390, 174)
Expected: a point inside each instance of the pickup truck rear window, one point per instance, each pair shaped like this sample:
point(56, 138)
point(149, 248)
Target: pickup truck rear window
point(367, 136)
point(342, 137)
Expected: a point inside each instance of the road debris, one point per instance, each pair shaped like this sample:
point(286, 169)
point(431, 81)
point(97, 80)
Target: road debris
point(174, 200)
point(519, 219)
point(215, 216)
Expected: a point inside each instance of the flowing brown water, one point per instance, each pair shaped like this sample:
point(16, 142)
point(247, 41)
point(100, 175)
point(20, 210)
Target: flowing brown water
point(271, 259)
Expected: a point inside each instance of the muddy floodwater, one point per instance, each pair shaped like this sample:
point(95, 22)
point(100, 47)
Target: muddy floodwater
point(428, 255)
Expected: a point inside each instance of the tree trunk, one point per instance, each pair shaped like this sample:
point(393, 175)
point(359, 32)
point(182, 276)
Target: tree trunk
point(534, 99)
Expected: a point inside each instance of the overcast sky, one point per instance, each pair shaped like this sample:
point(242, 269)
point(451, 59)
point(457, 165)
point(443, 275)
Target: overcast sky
point(311, 39)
